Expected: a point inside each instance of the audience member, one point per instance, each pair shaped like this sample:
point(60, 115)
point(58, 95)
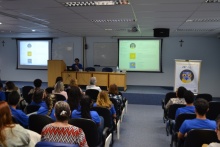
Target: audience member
point(180, 97)
point(77, 66)
point(14, 135)
point(104, 101)
point(37, 85)
point(215, 144)
point(190, 108)
point(59, 89)
point(61, 131)
point(19, 115)
point(59, 79)
point(10, 86)
point(38, 98)
point(73, 82)
point(200, 122)
point(2, 93)
point(74, 97)
point(93, 84)
point(50, 101)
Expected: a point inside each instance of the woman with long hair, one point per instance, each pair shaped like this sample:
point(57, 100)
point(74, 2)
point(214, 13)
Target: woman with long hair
point(59, 89)
point(12, 134)
point(61, 131)
point(74, 97)
point(114, 93)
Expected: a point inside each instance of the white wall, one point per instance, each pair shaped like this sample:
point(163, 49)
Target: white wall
point(194, 48)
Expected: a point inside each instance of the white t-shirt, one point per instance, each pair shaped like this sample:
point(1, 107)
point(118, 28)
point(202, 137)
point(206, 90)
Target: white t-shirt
point(93, 87)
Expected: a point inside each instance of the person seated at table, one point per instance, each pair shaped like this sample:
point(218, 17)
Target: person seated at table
point(93, 84)
point(59, 89)
point(61, 131)
point(19, 115)
point(37, 85)
point(200, 122)
point(179, 99)
point(14, 135)
point(77, 66)
point(2, 93)
point(50, 101)
point(189, 108)
point(38, 98)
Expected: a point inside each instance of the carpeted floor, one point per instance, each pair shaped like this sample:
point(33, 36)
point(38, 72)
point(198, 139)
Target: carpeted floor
point(143, 126)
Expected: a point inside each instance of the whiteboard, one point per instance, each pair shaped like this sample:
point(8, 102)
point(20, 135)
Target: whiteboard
point(105, 54)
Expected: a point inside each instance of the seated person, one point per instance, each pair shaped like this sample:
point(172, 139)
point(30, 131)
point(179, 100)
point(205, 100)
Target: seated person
point(50, 101)
point(77, 66)
point(74, 98)
point(37, 85)
point(2, 93)
point(200, 122)
point(214, 144)
point(38, 98)
point(93, 84)
point(20, 116)
point(59, 89)
point(180, 98)
point(73, 82)
point(104, 101)
point(10, 86)
point(61, 131)
point(190, 108)
point(13, 134)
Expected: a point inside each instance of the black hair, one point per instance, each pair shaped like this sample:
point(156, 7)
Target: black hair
point(189, 96)
point(62, 110)
point(1, 85)
point(85, 107)
point(77, 59)
point(13, 98)
point(180, 92)
point(74, 97)
point(37, 82)
point(201, 106)
point(38, 96)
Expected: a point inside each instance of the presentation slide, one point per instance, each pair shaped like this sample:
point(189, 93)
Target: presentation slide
point(140, 55)
point(33, 54)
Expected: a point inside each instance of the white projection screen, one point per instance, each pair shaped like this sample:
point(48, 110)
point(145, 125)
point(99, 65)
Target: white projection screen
point(33, 53)
point(140, 55)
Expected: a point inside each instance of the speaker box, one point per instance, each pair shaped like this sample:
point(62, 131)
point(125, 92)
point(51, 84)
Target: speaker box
point(161, 32)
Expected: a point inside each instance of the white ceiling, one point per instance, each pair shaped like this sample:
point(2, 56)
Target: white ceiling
point(50, 18)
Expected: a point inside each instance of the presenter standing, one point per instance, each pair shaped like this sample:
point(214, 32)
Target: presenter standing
point(77, 66)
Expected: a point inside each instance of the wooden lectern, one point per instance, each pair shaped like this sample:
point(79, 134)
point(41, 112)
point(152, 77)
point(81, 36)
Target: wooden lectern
point(55, 68)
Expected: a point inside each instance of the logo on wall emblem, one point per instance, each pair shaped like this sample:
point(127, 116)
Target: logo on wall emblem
point(186, 76)
point(29, 45)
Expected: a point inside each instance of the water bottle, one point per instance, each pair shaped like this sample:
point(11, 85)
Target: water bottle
point(117, 69)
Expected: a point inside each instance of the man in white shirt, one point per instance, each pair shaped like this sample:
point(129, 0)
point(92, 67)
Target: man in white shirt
point(92, 84)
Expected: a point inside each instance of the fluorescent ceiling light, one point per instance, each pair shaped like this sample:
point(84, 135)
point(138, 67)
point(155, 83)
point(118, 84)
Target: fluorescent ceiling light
point(204, 20)
point(212, 1)
point(96, 3)
point(113, 20)
point(194, 30)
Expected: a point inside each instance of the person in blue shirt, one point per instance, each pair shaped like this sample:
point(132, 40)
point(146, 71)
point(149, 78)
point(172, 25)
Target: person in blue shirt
point(200, 122)
point(77, 66)
point(190, 108)
point(37, 98)
point(50, 101)
point(19, 115)
point(2, 93)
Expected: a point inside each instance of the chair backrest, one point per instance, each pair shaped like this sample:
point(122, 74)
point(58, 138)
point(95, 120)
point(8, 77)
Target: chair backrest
point(60, 97)
point(180, 119)
point(49, 90)
point(214, 110)
point(205, 96)
point(31, 108)
point(6, 96)
point(37, 122)
point(92, 93)
point(105, 113)
point(25, 90)
point(197, 137)
point(54, 144)
point(89, 69)
point(172, 110)
point(117, 106)
point(107, 69)
point(89, 128)
point(168, 96)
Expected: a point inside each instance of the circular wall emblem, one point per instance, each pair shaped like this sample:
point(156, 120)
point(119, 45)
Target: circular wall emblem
point(186, 76)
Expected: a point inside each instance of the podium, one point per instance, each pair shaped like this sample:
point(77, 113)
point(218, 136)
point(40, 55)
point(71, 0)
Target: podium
point(55, 69)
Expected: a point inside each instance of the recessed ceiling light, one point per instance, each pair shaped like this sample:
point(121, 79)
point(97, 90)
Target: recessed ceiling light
point(108, 29)
point(33, 30)
point(212, 1)
point(204, 20)
point(194, 30)
point(96, 3)
point(113, 20)
point(0, 23)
